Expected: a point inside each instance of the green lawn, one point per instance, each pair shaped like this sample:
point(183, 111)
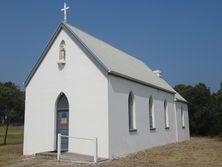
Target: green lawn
point(13, 150)
point(15, 134)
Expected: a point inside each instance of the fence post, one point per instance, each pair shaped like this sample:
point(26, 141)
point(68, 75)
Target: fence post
point(58, 146)
point(95, 151)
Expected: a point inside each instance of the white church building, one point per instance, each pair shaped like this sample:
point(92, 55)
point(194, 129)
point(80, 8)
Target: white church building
point(84, 88)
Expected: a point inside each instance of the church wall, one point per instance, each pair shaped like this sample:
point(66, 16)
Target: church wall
point(86, 88)
point(183, 132)
point(121, 141)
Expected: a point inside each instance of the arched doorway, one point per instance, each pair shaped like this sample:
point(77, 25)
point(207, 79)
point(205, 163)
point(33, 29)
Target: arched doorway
point(63, 120)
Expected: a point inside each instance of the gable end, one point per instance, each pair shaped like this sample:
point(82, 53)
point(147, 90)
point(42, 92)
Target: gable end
point(49, 44)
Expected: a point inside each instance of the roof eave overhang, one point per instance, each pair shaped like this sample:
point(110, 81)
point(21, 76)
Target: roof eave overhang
point(139, 81)
point(181, 101)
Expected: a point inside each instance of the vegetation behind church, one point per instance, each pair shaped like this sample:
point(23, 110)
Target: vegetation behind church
point(11, 105)
point(205, 107)
point(12, 101)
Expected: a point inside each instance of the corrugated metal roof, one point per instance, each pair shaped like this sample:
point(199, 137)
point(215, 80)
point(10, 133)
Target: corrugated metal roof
point(120, 63)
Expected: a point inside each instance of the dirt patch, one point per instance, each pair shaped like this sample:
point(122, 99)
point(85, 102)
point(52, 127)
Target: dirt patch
point(10, 153)
point(204, 152)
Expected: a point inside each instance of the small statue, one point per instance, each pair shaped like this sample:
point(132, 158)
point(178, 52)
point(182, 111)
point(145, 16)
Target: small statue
point(62, 54)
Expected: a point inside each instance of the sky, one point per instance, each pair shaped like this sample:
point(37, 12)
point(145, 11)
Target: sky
point(183, 39)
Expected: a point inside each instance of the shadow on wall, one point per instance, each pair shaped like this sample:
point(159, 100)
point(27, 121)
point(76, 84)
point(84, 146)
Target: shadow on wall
point(119, 85)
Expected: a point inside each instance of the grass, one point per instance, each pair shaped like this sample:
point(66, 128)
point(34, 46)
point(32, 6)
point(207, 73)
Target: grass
point(13, 150)
point(199, 151)
point(15, 134)
point(10, 153)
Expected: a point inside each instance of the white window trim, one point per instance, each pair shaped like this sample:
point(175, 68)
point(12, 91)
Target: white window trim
point(152, 116)
point(133, 119)
point(166, 115)
point(182, 117)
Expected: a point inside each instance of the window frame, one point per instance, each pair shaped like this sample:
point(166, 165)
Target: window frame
point(166, 115)
point(182, 117)
point(131, 113)
point(151, 114)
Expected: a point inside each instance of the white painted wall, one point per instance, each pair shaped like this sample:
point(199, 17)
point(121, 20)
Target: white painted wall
point(183, 133)
point(121, 141)
point(86, 88)
point(98, 108)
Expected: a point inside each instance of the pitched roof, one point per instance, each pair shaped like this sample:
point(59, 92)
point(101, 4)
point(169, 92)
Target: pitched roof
point(113, 60)
point(180, 98)
point(120, 63)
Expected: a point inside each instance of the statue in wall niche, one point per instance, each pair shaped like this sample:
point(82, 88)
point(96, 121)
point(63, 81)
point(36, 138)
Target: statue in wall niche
point(62, 53)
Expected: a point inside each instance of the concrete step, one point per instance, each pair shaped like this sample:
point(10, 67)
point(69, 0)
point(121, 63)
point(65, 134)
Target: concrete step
point(68, 156)
point(47, 155)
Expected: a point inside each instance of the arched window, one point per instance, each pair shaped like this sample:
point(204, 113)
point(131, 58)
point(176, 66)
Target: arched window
point(182, 117)
point(166, 114)
point(151, 113)
point(62, 51)
point(62, 107)
point(131, 112)
point(62, 102)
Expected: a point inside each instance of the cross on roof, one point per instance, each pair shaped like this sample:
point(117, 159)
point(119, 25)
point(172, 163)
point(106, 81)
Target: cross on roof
point(65, 13)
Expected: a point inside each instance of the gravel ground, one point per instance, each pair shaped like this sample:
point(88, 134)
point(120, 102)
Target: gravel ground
point(197, 152)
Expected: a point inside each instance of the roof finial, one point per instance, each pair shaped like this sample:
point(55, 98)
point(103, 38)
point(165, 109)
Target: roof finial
point(65, 14)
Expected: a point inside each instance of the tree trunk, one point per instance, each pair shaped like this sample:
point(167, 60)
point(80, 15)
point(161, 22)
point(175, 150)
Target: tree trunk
point(6, 130)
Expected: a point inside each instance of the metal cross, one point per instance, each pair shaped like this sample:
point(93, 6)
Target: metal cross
point(65, 14)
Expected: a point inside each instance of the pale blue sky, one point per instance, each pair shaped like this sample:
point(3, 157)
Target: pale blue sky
point(181, 38)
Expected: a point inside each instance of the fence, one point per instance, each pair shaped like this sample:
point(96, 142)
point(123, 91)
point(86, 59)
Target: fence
point(80, 138)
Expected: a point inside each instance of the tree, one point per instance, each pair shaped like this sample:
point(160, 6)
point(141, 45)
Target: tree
point(11, 103)
point(205, 109)
point(216, 127)
point(220, 86)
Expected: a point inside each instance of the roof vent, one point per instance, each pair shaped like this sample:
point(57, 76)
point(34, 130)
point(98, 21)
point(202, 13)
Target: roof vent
point(158, 73)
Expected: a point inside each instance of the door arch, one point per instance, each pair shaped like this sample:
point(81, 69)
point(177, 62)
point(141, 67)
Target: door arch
point(62, 120)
